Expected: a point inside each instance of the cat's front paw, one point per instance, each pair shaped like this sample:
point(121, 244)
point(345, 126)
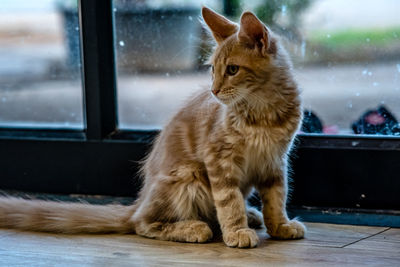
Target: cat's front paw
point(291, 230)
point(242, 238)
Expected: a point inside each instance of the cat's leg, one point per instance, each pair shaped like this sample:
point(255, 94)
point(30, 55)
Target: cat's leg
point(254, 218)
point(174, 207)
point(192, 231)
point(230, 205)
point(273, 193)
point(232, 218)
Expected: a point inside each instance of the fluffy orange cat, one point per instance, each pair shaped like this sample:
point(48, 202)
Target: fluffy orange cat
point(208, 158)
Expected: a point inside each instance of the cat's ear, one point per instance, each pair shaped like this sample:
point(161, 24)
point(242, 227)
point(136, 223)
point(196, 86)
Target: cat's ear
point(255, 34)
point(221, 27)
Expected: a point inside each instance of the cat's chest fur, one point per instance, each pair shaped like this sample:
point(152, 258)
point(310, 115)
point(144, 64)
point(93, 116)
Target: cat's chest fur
point(262, 150)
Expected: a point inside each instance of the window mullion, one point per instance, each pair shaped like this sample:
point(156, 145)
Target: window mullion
point(98, 68)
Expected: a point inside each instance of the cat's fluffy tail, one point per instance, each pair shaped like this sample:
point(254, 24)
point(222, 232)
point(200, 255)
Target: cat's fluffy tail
point(61, 217)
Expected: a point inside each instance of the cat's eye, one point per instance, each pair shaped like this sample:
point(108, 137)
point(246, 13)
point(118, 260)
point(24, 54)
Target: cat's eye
point(232, 69)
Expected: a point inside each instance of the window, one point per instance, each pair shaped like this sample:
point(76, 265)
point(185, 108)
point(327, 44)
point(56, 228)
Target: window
point(348, 64)
point(161, 49)
point(345, 55)
point(97, 150)
point(40, 63)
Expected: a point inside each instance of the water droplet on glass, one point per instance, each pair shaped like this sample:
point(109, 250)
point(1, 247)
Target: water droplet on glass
point(283, 9)
point(383, 102)
point(303, 49)
point(362, 196)
point(398, 67)
point(167, 74)
point(350, 104)
point(76, 28)
point(357, 94)
point(367, 40)
point(190, 18)
point(357, 205)
point(328, 36)
point(365, 72)
point(354, 143)
point(369, 73)
point(115, 9)
point(3, 99)
point(121, 43)
point(375, 84)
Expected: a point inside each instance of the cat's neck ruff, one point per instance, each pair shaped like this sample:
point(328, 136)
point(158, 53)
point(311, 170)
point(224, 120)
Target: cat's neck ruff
point(246, 115)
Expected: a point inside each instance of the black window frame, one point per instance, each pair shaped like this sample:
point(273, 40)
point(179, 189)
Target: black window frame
point(354, 174)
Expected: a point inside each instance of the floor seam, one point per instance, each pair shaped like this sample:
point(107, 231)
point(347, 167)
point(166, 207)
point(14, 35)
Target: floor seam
point(364, 238)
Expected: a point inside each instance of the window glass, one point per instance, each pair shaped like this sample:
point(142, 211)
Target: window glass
point(346, 57)
point(40, 69)
point(347, 61)
point(160, 47)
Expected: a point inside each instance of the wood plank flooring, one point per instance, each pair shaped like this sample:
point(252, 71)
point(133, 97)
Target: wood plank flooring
point(325, 245)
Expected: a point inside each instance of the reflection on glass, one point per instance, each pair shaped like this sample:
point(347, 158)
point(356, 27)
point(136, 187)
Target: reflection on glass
point(40, 80)
point(346, 59)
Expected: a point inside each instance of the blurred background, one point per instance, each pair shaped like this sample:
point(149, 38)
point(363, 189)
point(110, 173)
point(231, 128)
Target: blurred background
point(346, 58)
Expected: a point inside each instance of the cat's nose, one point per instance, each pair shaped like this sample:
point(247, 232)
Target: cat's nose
point(215, 91)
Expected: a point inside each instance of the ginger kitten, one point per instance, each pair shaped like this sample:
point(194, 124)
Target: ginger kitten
point(208, 158)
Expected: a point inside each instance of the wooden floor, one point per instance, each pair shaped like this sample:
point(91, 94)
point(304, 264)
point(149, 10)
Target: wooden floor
point(325, 244)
